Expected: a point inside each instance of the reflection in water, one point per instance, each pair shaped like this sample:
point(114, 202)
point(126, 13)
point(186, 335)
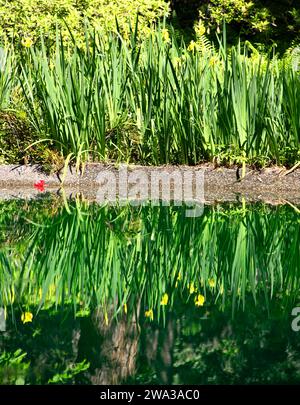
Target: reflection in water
point(157, 297)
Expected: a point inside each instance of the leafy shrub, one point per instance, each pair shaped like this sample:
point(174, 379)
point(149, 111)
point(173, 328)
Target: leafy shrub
point(13, 367)
point(262, 19)
point(27, 18)
point(16, 138)
point(244, 13)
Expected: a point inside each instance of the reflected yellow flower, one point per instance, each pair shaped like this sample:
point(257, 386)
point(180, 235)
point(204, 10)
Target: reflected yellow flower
point(27, 42)
point(192, 288)
point(178, 279)
point(165, 299)
point(51, 291)
point(26, 317)
point(199, 300)
point(222, 289)
point(106, 319)
point(149, 314)
point(12, 295)
point(211, 283)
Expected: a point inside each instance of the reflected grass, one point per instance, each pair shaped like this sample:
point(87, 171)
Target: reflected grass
point(149, 259)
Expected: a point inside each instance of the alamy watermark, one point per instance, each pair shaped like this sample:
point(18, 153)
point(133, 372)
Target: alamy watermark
point(155, 186)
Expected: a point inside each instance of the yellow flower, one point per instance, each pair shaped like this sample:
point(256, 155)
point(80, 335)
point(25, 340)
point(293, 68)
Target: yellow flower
point(106, 319)
point(211, 283)
point(192, 288)
point(165, 299)
point(26, 317)
point(165, 35)
point(125, 308)
point(199, 300)
point(27, 42)
point(149, 314)
point(192, 46)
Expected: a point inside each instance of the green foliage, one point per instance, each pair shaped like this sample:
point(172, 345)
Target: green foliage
point(13, 367)
point(151, 100)
point(213, 348)
point(70, 373)
point(157, 102)
point(249, 349)
point(242, 12)
point(19, 143)
point(261, 21)
point(20, 19)
point(7, 77)
point(113, 246)
point(40, 352)
point(101, 257)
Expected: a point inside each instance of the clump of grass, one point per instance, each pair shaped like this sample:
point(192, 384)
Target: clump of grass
point(8, 70)
point(156, 100)
point(16, 143)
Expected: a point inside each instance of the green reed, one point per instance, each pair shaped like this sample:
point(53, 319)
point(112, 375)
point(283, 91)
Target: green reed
point(7, 77)
point(157, 101)
point(152, 258)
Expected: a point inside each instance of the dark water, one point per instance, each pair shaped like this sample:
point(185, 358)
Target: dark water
point(112, 295)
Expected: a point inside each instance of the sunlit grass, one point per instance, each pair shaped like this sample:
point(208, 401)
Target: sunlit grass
point(157, 101)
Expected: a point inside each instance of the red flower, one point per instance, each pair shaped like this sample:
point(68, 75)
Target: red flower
point(40, 185)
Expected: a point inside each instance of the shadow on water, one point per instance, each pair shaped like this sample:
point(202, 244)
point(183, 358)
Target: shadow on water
point(106, 295)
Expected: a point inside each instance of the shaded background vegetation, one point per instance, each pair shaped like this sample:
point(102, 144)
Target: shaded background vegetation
point(264, 21)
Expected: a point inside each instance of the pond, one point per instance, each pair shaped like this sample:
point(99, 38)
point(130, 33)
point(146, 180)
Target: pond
point(107, 294)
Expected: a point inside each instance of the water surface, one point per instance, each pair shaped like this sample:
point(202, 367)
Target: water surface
point(115, 295)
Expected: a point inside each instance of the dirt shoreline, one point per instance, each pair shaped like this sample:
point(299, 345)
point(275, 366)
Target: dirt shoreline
point(275, 185)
